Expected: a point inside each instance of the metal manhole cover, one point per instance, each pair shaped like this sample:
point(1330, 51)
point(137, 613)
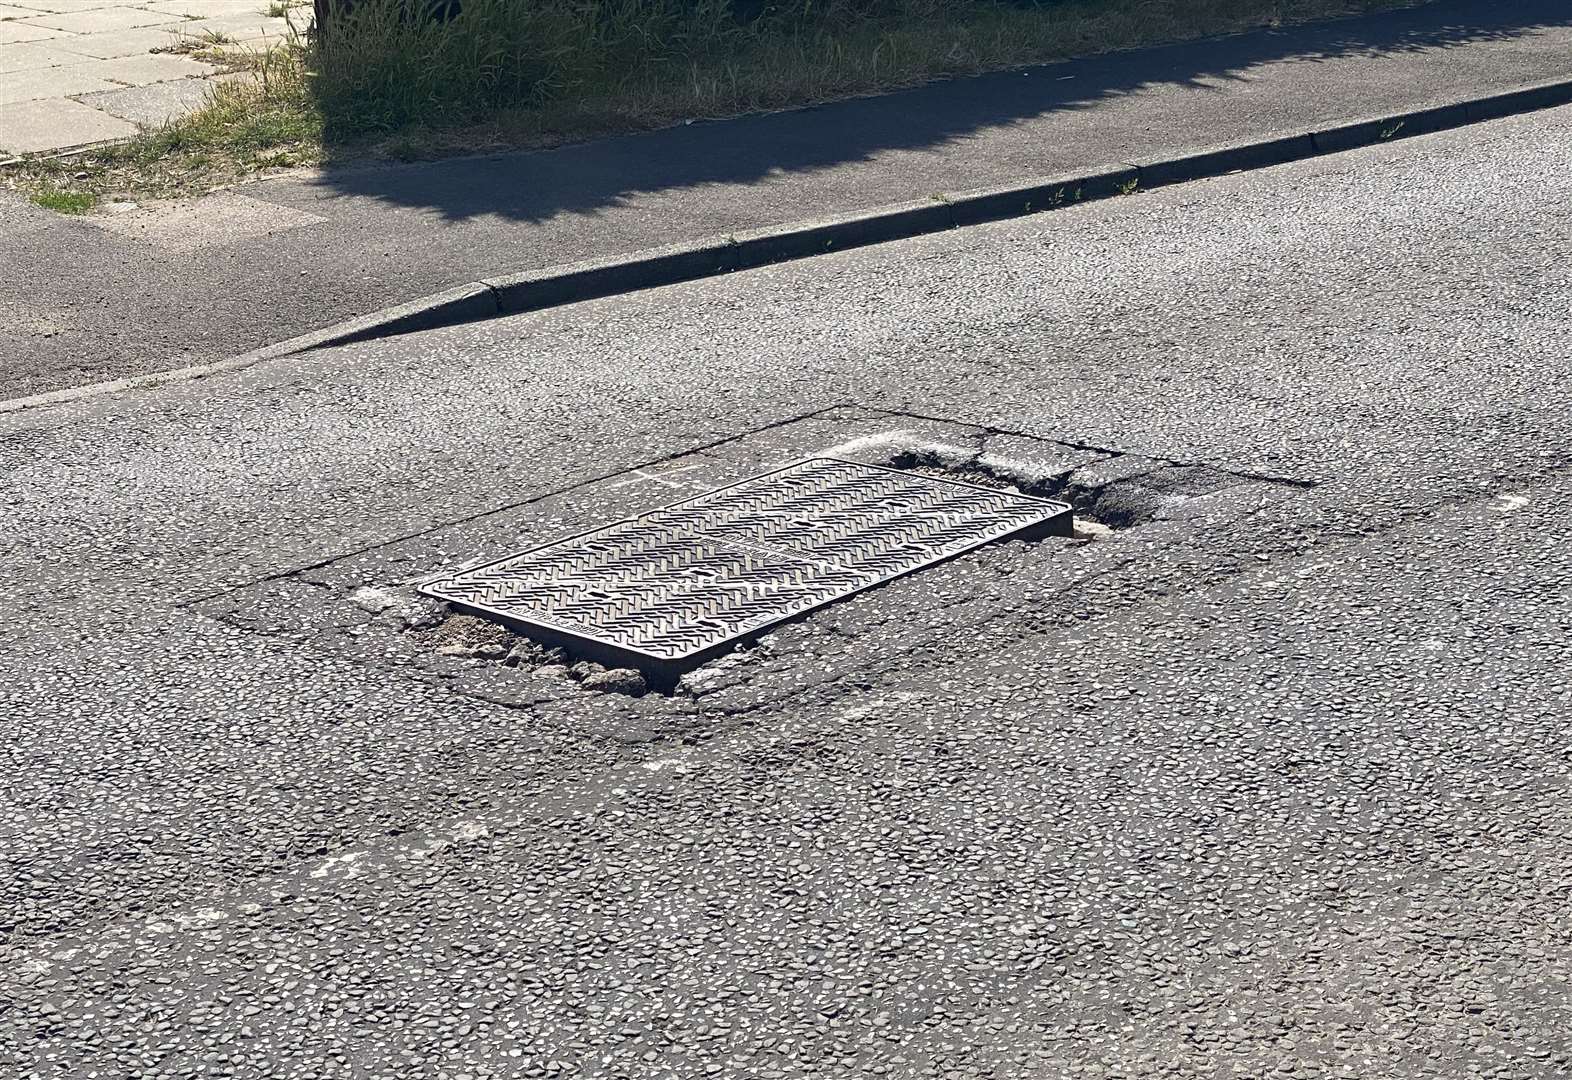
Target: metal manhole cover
point(671, 588)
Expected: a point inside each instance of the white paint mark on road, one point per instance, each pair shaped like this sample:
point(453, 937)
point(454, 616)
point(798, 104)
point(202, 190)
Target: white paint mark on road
point(884, 444)
point(346, 860)
point(644, 475)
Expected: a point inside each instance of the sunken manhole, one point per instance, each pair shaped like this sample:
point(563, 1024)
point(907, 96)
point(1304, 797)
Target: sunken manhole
point(667, 590)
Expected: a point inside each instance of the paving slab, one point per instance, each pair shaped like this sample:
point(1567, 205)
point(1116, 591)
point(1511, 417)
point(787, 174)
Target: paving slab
point(53, 82)
point(113, 43)
point(208, 9)
point(32, 56)
point(240, 26)
point(149, 68)
point(11, 32)
point(30, 126)
point(61, 6)
point(100, 19)
point(151, 105)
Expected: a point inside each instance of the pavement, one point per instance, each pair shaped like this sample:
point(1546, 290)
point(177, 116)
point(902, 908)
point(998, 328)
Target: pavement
point(190, 282)
point(75, 73)
point(1270, 780)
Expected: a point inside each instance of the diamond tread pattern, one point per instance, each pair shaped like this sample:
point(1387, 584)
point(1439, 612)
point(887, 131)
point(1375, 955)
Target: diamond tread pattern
point(686, 578)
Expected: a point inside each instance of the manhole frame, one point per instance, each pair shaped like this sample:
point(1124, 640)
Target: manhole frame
point(664, 671)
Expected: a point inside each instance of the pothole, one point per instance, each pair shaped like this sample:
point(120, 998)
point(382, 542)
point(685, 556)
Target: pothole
point(432, 627)
point(470, 637)
point(552, 612)
point(1134, 491)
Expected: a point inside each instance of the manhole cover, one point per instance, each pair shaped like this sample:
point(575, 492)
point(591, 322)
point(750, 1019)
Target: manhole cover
point(671, 588)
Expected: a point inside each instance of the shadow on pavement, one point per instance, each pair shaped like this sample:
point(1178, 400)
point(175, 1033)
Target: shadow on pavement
point(587, 178)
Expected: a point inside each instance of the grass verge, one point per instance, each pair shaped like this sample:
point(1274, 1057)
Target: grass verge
point(533, 73)
point(63, 202)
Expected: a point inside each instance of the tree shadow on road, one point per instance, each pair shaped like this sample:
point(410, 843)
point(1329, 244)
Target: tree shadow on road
point(591, 178)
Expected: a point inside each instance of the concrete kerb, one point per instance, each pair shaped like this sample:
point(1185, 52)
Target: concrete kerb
point(463, 303)
point(1209, 163)
point(1544, 96)
point(556, 286)
point(535, 290)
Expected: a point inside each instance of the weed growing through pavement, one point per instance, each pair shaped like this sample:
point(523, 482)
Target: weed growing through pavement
point(63, 202)
point(207, 46)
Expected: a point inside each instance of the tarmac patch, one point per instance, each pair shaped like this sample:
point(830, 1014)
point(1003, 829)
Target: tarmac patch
point(217, 220)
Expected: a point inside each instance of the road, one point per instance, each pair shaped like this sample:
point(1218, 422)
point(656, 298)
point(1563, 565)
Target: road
point(1269, 780)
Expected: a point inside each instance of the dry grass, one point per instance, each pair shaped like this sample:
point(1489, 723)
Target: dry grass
point(513, 74)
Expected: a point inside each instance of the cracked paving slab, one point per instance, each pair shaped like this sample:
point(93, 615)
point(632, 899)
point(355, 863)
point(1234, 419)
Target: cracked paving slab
point(1270, 786)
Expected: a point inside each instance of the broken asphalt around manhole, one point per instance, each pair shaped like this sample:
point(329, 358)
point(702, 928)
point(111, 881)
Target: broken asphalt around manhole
point(676, 586)
point(1141, 522)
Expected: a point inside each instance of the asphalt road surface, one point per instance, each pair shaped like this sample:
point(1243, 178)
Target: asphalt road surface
point(1270, 780)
